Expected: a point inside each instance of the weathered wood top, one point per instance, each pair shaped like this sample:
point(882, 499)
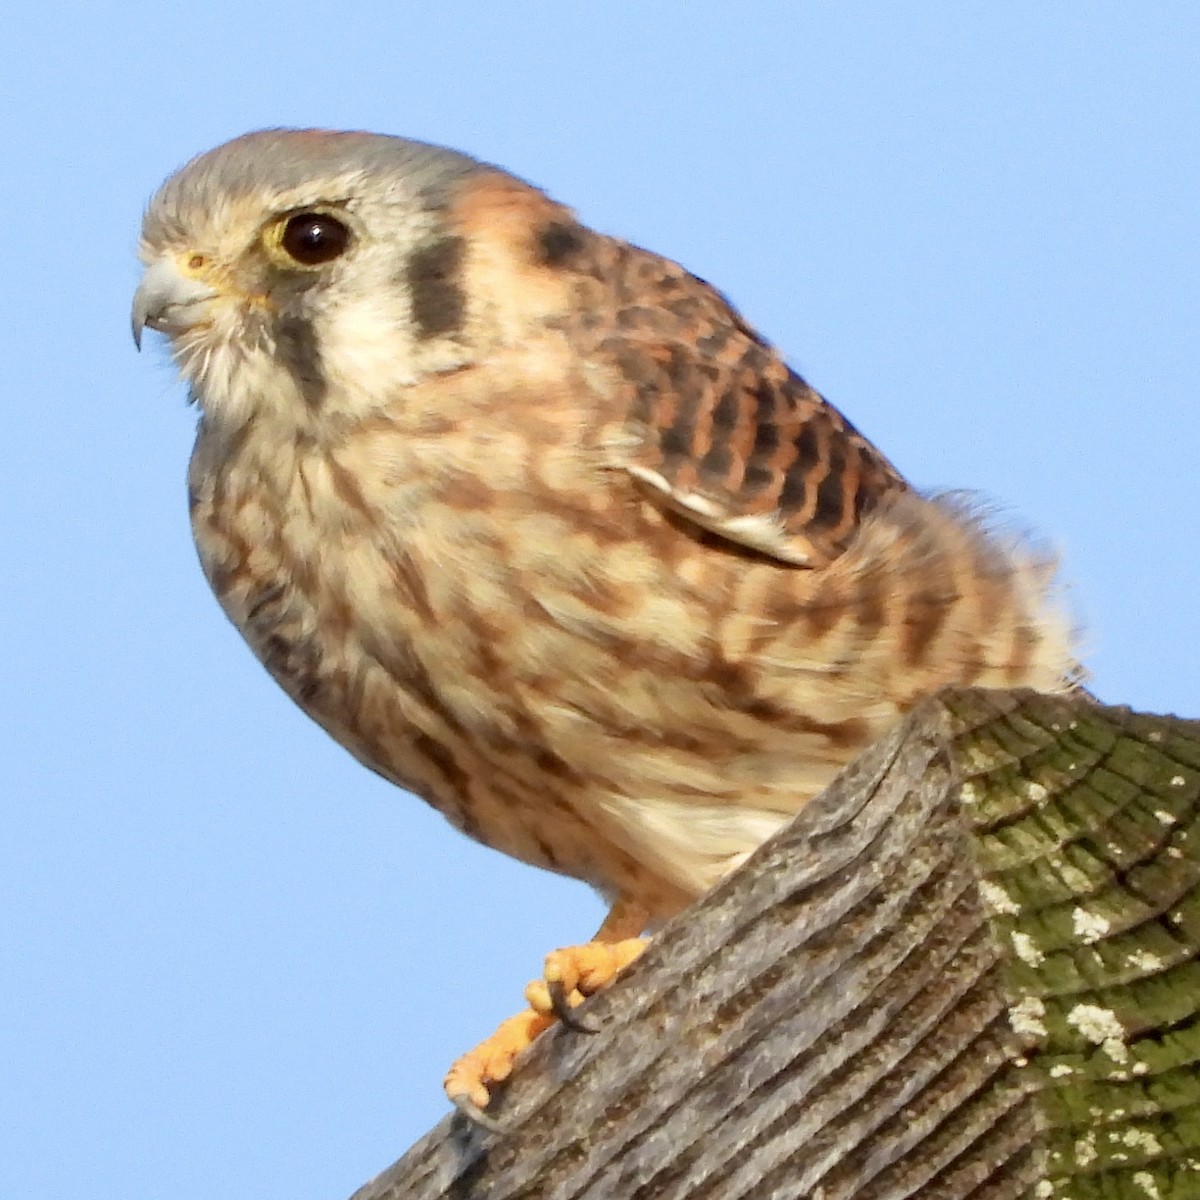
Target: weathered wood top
point(968, 969)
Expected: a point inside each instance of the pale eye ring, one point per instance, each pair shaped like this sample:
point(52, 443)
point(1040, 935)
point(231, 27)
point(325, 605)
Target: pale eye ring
point(314, 238)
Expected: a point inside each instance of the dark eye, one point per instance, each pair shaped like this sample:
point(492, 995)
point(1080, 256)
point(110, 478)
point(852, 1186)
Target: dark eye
point(314, 238)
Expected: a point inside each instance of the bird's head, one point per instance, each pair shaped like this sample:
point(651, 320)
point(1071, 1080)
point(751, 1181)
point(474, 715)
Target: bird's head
point(320, 272)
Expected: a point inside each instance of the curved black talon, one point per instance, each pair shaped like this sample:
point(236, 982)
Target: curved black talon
point(570, 1017)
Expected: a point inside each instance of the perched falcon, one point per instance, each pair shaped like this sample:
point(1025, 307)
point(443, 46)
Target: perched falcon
point(539, 528)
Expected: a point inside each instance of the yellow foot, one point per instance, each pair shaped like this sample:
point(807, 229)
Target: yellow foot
point(575, 972)
point(570, 975)
point(491, 1062)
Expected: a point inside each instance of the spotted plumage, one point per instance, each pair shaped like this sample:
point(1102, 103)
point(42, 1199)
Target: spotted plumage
point(538, 527)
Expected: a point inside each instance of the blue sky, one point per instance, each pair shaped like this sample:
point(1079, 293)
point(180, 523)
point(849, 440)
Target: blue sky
point(233, 962)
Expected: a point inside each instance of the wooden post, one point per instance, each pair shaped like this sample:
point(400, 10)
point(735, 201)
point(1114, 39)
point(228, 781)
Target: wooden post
point(969, 968)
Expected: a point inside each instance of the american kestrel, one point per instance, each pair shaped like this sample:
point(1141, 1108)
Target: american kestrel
point(540, 529)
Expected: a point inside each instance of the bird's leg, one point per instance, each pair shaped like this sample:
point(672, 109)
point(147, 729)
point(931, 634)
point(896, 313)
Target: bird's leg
point(570, 975)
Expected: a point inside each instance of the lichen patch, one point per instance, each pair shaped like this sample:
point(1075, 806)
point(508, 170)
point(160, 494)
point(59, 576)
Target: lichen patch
point(1026, 1016)
point(1089, 926)
point(996, 900)
point(1144, 1181)
point(1027, 949)
point(1100, 1025)
point(1143, 960)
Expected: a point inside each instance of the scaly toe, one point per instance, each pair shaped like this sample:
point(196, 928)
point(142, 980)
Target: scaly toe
point(592, 966)
point(468, 1081)
point(571, 975)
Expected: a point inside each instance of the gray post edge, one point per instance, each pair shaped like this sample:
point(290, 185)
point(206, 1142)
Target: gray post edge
point(897, 996)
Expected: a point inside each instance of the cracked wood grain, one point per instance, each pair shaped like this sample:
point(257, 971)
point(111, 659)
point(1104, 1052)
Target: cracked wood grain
point(967, 969)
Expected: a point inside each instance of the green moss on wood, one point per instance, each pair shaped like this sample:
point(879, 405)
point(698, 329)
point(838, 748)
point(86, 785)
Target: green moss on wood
point(1086, 826)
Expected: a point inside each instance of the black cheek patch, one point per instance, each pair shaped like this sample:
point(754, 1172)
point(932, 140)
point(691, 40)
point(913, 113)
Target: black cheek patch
point(433, 277)
point(299, 351)
point(558, 242)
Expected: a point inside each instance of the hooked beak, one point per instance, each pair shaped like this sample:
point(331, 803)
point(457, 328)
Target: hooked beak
point(167, 300)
